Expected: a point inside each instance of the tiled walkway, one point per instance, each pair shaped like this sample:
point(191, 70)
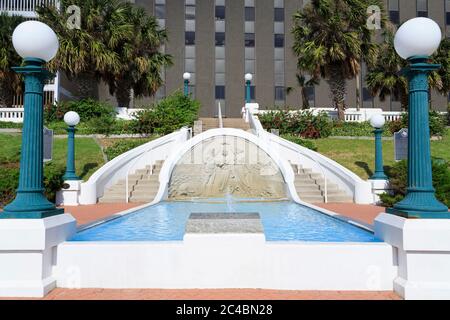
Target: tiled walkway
point(219, 294)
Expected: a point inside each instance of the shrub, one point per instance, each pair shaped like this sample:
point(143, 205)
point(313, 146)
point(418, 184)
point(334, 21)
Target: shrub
point(104, 124)
point(298, 140)
point(436, 121)
point(354, 129)
point(87, 109)
point(398, 181)
point(9, 181)
point(167, 115)
point(122, 146)
point(53, 180)
point(10, 125)
point(304, 124)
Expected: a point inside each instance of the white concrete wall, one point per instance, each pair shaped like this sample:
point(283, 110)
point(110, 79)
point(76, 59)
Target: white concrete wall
point(226, 261)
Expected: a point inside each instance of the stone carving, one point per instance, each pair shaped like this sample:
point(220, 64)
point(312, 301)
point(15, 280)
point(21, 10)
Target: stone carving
point(224, 166)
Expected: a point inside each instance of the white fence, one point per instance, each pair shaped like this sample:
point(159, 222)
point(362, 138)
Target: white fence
point(354, 115)
point(25, 8)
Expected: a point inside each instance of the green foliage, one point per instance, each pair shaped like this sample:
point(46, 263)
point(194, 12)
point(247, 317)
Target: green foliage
point(448, 115)
point(86, 108)
point(9, 181)
point(331, 39)
point(437, 123)
point(116, 42)
point(304, 143)
point(398, 177)
point(10, 83)
point(354, 129)
point(10, 125)
point(123, 146)
point(304, 124)
point(53, 180)
point(167, 115)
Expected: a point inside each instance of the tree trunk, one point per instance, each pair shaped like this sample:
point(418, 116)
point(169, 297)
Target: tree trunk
point(358, 92)
point(305, 99)
point(6, 95)
point(123, 96)
point(338, 91)
point(404, 100)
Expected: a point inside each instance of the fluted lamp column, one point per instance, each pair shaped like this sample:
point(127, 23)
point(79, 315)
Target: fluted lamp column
point(248, 81)
point(37, 44)
point(420, 200)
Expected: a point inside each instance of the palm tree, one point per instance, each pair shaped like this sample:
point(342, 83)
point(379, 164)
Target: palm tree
point(303, 85)
point(440, 79)
point(10, 84)
point(141, 60)
point(331, 38)
point(384, 77)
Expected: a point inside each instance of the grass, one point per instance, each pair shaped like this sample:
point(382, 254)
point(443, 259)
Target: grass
point(359, 157)
point(88, 156)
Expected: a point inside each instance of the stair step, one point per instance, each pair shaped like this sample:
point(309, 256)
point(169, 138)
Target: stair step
point(145, 189)
point(144, 193)
point(306, 188)
point(311, 193)
point(312, 198)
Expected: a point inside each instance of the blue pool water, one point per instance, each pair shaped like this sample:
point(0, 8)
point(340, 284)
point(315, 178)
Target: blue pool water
point(282, 221)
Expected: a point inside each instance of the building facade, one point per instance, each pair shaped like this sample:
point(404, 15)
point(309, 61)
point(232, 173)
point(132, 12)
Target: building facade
point(218, 41)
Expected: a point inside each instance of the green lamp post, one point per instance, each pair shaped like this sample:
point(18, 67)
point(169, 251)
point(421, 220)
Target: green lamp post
point(186, 77)
point(37, 44)
point(248, 81)
point(416, 40)
point(71, 118)
point(377, 122)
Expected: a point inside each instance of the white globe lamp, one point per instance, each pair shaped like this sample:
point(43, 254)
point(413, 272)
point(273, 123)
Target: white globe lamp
point(34, 39)
point(71, 118)
point(186, 76)
point(417, 37)
point(377, 121)
point(248, 77)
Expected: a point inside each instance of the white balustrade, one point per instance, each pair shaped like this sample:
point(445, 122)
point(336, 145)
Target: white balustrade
point(24, 8)
point(11, 115)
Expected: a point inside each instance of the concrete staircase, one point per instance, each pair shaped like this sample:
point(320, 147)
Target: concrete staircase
point(213, 123)
point(143, 186)
point(310, 187)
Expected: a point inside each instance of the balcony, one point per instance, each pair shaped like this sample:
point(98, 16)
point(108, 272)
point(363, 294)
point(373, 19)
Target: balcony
point(25, 8)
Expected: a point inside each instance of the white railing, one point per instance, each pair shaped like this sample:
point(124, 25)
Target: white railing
point(11, 115)
point(134, 159)
point(26, 8)
point(351, 114)
point(346, 179)
point(219, 115)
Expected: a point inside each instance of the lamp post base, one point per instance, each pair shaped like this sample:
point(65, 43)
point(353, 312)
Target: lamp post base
point(30, 205)
point(420, 204)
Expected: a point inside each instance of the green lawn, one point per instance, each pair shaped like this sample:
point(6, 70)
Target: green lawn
point(88, 156)
point(359, 157)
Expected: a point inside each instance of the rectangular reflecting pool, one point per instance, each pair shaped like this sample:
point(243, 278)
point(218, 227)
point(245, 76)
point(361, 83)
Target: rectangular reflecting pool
point(282, 221)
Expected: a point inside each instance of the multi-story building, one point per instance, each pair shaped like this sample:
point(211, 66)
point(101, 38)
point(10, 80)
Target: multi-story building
point(218, 41)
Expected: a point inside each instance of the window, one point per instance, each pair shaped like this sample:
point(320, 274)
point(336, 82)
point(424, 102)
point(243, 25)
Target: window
point(279, 40)
point(220, 92)
point(220, 12)
point(279, 14)
point(422, 8)
point(447, 12)
point(220, 39)
point(394, 14)
point(280, 94)
point(189, 38)
point(160, 11)
point(249, 14)
point(250, 40)
point(190, 12)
